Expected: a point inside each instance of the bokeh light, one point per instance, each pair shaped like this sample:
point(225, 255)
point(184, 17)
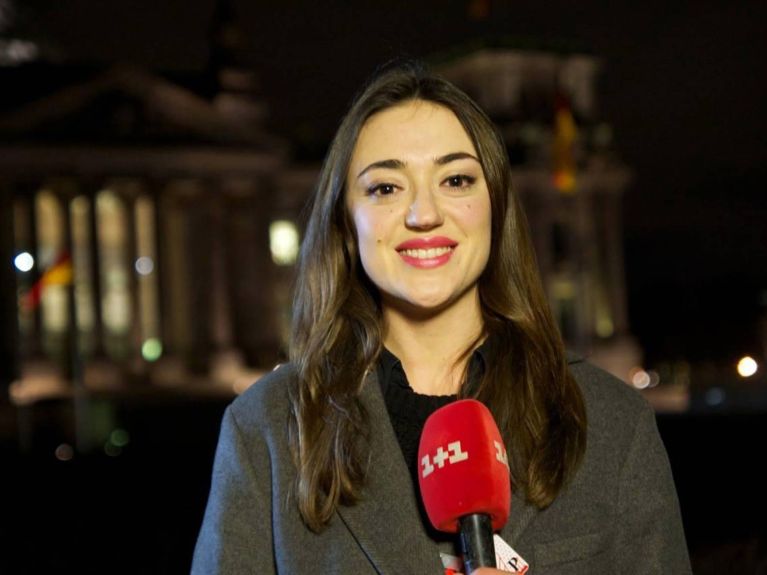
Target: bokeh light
point(64, 452)
point(144, 265)
point(119, 438)
point(283, 242)
point(747, 366)
point(639, 378)
point(151, 349)
point(715, 396)
point(24, 262)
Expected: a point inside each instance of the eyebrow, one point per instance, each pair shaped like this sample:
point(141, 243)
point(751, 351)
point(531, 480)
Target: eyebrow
point(399, 164)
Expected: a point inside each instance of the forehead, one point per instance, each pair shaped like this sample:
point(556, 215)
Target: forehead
point(416, 128)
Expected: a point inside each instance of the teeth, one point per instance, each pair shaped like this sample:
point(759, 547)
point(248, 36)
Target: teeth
point(427, 254)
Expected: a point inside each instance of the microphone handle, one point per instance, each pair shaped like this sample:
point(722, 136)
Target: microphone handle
point(477, 541)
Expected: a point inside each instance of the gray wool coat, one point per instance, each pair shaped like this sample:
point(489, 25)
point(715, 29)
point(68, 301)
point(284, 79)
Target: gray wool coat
point(619, 515)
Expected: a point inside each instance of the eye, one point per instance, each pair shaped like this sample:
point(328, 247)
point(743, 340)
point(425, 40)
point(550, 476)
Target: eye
point(382, 189)
point(459, 181)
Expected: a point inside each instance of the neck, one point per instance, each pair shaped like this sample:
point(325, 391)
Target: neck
point(430, 345)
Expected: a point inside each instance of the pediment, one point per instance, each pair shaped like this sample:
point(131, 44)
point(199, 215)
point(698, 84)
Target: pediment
point(128, 105)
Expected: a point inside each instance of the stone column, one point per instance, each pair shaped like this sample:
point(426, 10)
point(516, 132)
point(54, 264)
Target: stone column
point(200, 278)
point(72, 364)
point(173, 270)
point(155, 189)
point(90, 188)
point(128, 194)
point(220, 309)
point(186, 272)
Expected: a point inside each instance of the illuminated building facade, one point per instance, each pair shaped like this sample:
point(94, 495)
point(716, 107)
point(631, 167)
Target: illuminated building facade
point(163, 201)
point(570, 183)
point(157, 213)
point(178, 216)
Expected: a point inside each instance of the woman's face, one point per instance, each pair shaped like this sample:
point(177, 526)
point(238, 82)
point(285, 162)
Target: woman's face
point(418, 198)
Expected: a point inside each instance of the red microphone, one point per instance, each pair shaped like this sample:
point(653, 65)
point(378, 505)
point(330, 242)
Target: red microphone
point(463, 473)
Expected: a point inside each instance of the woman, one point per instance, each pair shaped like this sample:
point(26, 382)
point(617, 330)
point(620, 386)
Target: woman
point(417, 284)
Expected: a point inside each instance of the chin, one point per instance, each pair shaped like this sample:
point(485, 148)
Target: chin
point(424, 305)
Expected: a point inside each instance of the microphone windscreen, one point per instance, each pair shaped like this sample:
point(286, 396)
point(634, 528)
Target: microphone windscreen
point(463, 467)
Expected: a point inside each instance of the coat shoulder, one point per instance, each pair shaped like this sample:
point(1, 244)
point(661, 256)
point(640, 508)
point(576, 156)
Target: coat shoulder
point(267, 401)
point(609, 400)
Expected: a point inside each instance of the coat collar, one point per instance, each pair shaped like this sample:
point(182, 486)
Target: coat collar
point(386, 522)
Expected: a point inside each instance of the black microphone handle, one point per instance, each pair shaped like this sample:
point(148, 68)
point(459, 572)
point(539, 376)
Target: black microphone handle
point(477, 541)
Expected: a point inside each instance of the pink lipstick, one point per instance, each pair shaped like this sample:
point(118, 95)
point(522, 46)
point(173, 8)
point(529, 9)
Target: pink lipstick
point(426, 253)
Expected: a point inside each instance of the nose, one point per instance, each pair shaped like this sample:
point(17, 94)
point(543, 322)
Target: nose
point(424, 212)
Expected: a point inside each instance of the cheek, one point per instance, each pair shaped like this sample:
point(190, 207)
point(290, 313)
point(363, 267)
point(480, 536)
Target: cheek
point(363, 225)
point(476, 215)
point(372, 225)
point(478, 221)
point(370, 233)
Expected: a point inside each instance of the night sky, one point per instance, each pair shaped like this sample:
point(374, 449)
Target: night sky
point(683, 84)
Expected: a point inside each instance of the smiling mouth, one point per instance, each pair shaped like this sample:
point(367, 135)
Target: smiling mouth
point(425, 254)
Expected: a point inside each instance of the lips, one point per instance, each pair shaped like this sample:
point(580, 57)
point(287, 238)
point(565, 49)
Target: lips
point(427, 243)
point(427, 252)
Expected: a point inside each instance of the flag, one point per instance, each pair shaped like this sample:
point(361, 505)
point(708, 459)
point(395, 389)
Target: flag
point(563, 154)
point(59, 273)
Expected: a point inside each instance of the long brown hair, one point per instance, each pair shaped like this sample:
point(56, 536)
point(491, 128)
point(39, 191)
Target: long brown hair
point(337, 335)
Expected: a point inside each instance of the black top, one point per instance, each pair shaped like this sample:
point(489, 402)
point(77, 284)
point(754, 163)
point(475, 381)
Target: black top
point(409, 410)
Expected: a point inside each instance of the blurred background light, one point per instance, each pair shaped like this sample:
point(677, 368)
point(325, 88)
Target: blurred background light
point(14, 51)
point(144, 265)
point(604, 327)
point(283, 242)
point(24, 262)
point(640, 378)
point(715, 396)
point(119, 438)
point(747, 366)
point(151, 349)
point(64, 452)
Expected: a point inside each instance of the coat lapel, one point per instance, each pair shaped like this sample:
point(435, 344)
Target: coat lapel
point(386, 522)
point(522, 513)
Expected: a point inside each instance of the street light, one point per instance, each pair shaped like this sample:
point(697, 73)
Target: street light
point(747, 366)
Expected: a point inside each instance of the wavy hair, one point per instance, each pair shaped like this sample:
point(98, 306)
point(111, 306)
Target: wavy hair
point(337, 334)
